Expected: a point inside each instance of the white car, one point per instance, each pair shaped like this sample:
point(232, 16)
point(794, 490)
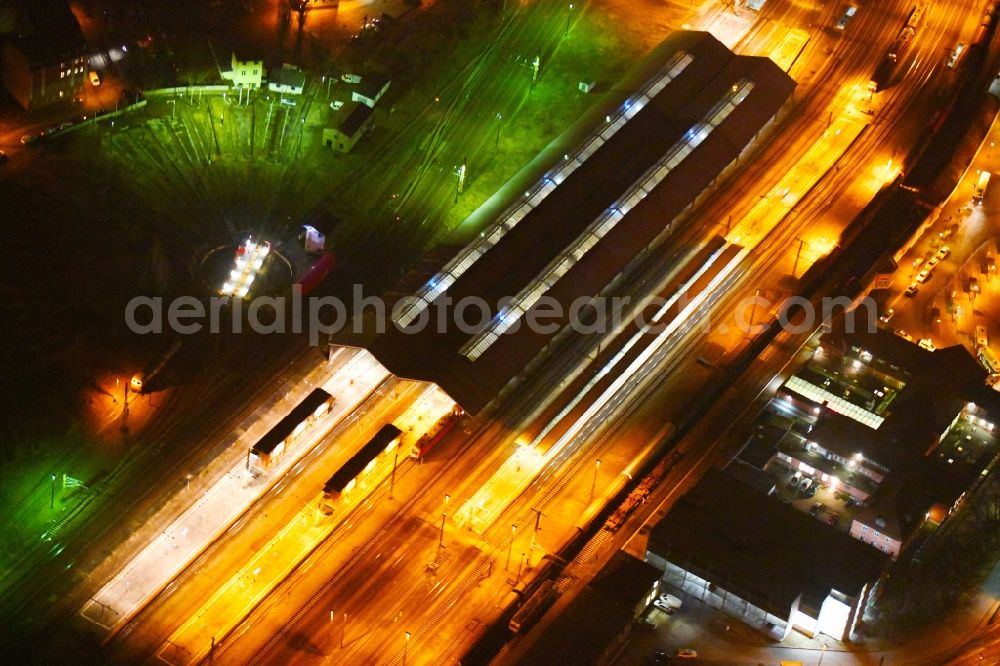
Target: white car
point(943, 252)
point(336, 105)
point(664, 606)
point(923, 276)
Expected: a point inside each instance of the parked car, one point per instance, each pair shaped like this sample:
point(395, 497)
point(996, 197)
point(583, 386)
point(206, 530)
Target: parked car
point(658, 659)
point(94, 77)
point(29, 138)
point(810, 491)
point(932, 262)
point(350, 78)
point(943, 252)
point(664, 606)
point(923, 276)
point(686, 653)
point(336, 105)
point(911, 291)
point(887, 315)
point(834, 518)
point(815, 509)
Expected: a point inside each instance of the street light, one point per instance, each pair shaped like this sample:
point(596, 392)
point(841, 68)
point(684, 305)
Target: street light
point(510, 546)
point(52, 500)
point(569, 15)
point(821, 655)
point(499, 121)
point(406, 645)
point(593, 484)
point(444, 514)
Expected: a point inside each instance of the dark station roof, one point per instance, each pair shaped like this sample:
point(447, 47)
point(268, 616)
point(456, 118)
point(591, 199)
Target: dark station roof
point(360, 460)
point(674, 117)
point(46, 32)
point(759, 549)
point(283, 428)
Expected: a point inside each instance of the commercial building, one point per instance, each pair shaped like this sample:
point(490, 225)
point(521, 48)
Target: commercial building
point(763, 562)
point(345, 136)
point(44, 53)
point(582, 225)
point(901, 430)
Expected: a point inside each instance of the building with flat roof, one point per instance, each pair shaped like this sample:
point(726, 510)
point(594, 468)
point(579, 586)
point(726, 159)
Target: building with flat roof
point(43, 52)
point(902, 430)
point(581, 224)
point(761, 561)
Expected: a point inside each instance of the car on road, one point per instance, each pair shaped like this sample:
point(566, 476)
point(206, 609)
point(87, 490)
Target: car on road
point(686, 653)
point(911, 291)
point(846, 18)
point(943, 252)
point(923, 276)
point(29, 138)
point(815, 509)
point(932, 262)
point(336, 105)
point(350, 78)
point(658, 658)
point(94, 77)
point(887, 315)
point(903, 334)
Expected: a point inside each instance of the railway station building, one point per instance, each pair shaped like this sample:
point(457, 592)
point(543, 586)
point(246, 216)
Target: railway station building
point(580, 228)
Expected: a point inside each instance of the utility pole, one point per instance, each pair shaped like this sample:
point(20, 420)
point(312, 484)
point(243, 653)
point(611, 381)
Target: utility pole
point(798, 253)
point(499, 121)
point(52, 500)
point(593, 484)
point(569, 16)
point(406, 645)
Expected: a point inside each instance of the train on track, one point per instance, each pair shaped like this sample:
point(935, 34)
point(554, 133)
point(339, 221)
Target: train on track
point(437, 432)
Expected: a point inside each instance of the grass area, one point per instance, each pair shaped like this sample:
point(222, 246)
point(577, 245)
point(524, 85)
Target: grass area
point(593, 51)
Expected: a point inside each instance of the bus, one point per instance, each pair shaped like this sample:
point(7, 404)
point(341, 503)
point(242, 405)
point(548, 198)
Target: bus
point(436, 433)
point(984, 180)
